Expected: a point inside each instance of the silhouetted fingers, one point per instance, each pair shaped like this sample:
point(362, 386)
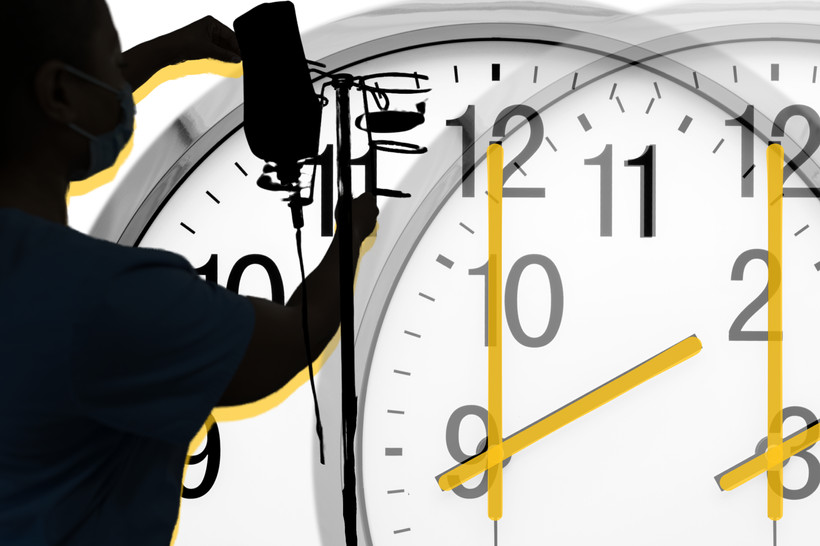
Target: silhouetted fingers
point(365, 213)
point(224, 45)
point(206, 38)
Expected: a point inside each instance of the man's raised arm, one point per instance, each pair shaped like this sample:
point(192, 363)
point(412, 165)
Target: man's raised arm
point(276, 352)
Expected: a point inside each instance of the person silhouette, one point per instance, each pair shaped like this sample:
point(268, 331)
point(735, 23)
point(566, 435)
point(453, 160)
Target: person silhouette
point(112, 357)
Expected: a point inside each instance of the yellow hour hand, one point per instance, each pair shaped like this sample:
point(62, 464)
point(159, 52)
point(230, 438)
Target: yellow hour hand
point(607, 392)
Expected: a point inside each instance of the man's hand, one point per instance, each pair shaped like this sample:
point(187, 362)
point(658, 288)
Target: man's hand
point(203, 39)
point(206, 38)
point(276, 352)
point(364, 212)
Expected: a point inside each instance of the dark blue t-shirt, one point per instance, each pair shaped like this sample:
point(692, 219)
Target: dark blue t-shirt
point(111, 359)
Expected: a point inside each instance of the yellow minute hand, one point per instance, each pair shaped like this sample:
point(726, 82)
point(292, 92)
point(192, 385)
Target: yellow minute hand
point(774, 161)
point(495, 171)
point(607, 392)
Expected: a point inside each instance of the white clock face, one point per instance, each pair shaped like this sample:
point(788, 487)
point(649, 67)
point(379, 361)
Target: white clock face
point(588, 294)
point(580, 309)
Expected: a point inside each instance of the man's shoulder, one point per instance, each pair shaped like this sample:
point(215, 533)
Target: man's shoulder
point(31, 234)
point(59, 261)
point(118, 255)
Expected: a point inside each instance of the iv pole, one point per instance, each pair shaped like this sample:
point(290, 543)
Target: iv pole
point(342, 83)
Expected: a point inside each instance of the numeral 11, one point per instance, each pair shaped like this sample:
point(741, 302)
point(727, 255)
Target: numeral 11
point(646, 162)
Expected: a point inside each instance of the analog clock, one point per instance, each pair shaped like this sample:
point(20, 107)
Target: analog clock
point(635, 216)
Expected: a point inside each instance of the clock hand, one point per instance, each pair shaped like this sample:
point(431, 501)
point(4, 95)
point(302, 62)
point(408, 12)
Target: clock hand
point(777, 450)
point(774, 453)
point(594, 399)
point(495, 171)
point(758, 464)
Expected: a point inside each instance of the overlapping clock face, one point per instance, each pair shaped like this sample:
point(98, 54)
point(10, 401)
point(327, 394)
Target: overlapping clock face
point(634, 216)
point(630, 223)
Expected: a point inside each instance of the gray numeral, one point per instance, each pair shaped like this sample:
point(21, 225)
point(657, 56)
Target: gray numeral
point(454, 447)
point(511, 299)
point(736, 331)
point(813, 480)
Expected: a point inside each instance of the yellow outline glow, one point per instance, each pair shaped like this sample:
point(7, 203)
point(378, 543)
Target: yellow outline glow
point(173, 72)
point(82, 187)
point(246, 411)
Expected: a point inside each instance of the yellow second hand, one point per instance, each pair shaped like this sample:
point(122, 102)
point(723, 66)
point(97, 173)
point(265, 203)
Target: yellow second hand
point(495, 451)
point(774, 163)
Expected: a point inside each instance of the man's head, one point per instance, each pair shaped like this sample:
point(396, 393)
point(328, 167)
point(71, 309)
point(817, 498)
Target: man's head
point(42, 95)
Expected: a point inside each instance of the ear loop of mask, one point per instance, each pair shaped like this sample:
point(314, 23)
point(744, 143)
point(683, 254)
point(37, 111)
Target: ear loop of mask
point(104, 148)
point(90, 78)
point(96, 81)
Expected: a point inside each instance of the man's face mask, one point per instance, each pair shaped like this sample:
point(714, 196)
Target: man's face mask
point(104, 148)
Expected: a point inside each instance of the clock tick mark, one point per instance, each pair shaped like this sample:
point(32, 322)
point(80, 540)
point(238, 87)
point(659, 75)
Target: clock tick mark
point(620, 105)
point(801, 230)
point(496, 72)
point(648, 108)
point(186, 227)
point(817, 266)
point(574, 80)
point(695, 77)
point(517, 166)
point(719, 144)
point(814, 75)
point(412, 334)
point(445, 261)
point(397, 531)
point(401, 372)
point(775, 72)
point(657, 90)
point(212, 196)
point(238, 166)
point(395, 411)
point(582, 119)
point(455, 72)
point(734, 72)
point(684, 125)
point(535, 75)
point(554, 149)
point(612, 93)
point(425, 296)
point(748, 171)
point(462, 224)
point(393, 452)
point(395, 491)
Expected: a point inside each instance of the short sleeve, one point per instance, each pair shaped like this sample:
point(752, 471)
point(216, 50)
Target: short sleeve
point(158, 347)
